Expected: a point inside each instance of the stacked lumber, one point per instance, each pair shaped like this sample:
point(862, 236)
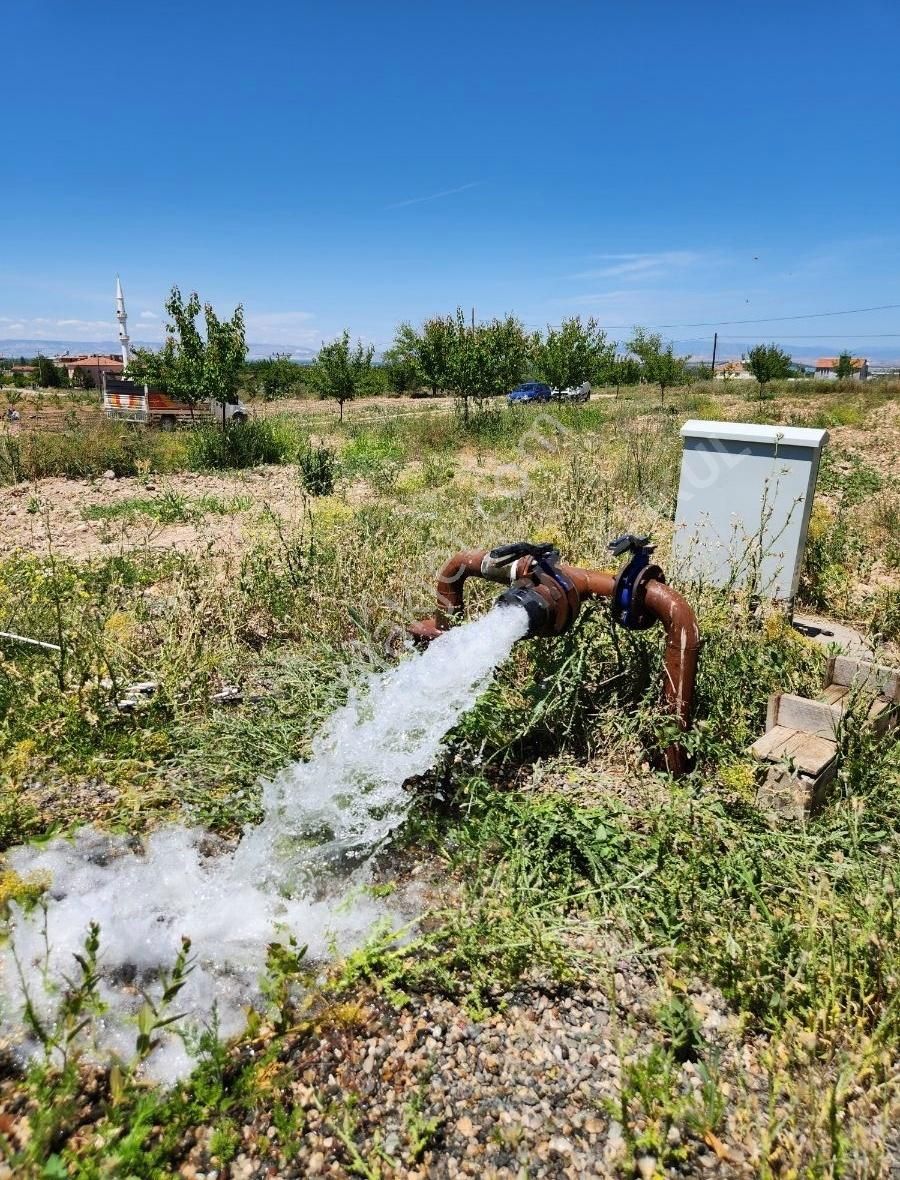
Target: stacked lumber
point(799, 750)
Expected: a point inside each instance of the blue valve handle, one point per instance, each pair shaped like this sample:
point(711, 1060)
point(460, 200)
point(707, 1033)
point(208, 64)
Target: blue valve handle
point(628, 599)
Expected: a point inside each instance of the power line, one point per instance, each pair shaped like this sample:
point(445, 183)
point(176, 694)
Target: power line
point(773, 319)
point(803, 336)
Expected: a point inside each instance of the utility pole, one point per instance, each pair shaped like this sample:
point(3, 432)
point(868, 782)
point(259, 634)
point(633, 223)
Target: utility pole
point(715, 342)
point(473, 319)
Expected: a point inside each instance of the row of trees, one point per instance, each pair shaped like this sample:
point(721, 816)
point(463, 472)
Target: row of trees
point(473, 361)
point(479, 361)
point(454, 354)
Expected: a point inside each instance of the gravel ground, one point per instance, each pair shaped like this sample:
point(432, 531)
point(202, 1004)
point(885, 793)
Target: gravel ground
point(526, 1092)
point(531, 1090)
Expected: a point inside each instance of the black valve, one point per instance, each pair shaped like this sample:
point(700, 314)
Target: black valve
point(507, 554)
point(627, 606)
point(545, 591)
point(628, 541)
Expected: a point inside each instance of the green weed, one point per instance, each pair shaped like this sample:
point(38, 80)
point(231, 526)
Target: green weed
point(318, 470)
point(170, 507)
point(248, 444)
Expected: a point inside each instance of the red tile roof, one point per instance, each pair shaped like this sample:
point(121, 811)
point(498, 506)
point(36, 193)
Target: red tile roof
point(831, 362)
point(91, 362)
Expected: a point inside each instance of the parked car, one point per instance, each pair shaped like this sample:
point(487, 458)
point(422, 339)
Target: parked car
point(530, 391)
point(574, 393)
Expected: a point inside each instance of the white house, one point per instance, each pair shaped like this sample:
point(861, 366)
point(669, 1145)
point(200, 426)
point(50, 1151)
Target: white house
point(826, 368)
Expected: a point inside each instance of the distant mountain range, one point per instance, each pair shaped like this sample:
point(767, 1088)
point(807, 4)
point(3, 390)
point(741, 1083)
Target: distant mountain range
point(113, 348)
point(800, 352)
point(698, 350)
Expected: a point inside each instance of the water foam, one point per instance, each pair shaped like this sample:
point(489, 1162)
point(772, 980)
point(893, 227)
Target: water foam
point(322, 821)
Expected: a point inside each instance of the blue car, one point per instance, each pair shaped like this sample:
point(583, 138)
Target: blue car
point(530, 391)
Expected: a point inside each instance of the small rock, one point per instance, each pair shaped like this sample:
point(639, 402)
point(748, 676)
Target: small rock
point(646, 1165)
point(465, 1126)
point(316, 1163)
point(109, 474)
point(561, 1145)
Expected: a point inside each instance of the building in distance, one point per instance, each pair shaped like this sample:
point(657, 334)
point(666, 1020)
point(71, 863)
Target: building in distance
point(827, 366)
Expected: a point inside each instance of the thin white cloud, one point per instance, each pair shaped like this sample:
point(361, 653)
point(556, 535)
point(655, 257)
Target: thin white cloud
point(597, 296)
point(148, 315)
point(282, 327)
point(640, 266)
point(447, 192)
point(46, 328)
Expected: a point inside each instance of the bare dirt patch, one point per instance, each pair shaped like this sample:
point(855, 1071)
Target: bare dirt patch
point(52, 512)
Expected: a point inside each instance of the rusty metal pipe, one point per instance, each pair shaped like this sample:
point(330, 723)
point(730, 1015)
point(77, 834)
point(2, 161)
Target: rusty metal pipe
point(672, 610)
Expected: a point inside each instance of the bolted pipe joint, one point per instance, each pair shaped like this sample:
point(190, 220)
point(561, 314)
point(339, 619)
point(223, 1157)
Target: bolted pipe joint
point(535, 604)
point(551, 593)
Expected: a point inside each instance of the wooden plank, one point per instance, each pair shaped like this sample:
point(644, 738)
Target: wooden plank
point(883, 715)
point(772, 711)
point(835, 693)
point(808, 754)
point(863, 674)
point(811, 755)
point(815, 717)
point(770, 745)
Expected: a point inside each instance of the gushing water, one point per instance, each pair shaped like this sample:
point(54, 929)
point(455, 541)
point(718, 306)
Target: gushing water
point(322, 821)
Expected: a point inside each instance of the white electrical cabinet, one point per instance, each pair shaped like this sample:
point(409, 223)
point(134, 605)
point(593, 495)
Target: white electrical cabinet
point(744, 501)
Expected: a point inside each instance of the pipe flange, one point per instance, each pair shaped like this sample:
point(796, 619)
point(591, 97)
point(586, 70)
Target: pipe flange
point(639, 619)
point(561, 591)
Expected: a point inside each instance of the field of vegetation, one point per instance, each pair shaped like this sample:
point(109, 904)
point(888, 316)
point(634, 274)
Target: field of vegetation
point(606, 971)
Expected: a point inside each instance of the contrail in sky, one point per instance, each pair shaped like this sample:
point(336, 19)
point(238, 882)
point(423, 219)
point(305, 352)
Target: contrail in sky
point(447, 192)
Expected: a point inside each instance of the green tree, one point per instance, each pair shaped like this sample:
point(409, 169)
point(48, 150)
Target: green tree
point(401, 372)
point(276, 376)
point(572, 353)
point(193, 366)
point(844, 366)
point(485, 360)
point(433, 356)
point(767, 362)
point(425, 352)
point(343, 373)
point(47, 375)
point(624, 370)
point(659, 364)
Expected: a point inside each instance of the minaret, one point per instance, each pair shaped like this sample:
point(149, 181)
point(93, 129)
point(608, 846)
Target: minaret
point(122, 317)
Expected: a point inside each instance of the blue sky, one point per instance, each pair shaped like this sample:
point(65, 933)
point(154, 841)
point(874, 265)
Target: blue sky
point(354, 164)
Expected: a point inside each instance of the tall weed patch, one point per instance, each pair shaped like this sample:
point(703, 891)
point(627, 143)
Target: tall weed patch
point(255, 443)
point(88, 450)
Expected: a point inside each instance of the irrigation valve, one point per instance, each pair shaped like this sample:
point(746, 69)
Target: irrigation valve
point(547, 595)
point(551, 593)
point(628, 602)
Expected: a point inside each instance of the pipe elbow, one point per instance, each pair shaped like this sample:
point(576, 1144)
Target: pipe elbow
point(452, 579)
point(676, 615)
